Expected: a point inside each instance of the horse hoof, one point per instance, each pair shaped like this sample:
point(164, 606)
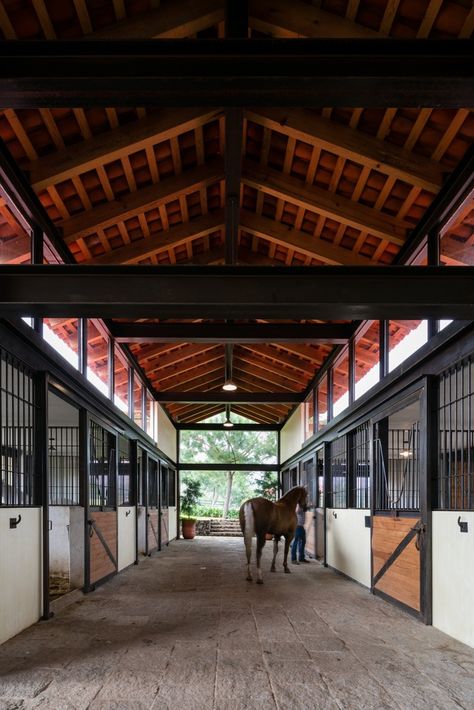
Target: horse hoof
point(287, 570)
point(272, 569)
point(249, 579)
point(259, 581)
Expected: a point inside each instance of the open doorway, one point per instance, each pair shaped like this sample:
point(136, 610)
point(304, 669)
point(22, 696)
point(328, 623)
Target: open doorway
point(66, 510)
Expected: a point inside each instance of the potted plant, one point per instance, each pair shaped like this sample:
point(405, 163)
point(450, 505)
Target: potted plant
point(188, 501)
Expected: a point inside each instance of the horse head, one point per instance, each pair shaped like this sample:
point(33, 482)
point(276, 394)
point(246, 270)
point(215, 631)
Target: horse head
point(302, 499)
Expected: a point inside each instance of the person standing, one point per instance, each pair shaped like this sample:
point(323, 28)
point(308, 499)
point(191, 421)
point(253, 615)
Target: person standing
point(299, 541)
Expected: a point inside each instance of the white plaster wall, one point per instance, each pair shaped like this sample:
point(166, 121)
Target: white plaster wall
point(59, 545)
point(141, 530)
point(126, 536)
point(76, 538)
point(167, 439)
point(291, 435)
point(348, 543)
point(20, 571)
point(453, 575)
point(172, 523)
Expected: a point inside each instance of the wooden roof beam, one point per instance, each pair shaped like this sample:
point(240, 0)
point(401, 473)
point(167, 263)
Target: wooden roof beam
point(297, 19)
point(115, 144)
point(136, 203)
point(325, 203)
point(162, 241)
point(349, 143)
point(302, 242)
point(170, 20)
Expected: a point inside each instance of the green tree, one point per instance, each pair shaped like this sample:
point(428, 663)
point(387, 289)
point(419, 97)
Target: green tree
point(267, 485)
point(228, 447)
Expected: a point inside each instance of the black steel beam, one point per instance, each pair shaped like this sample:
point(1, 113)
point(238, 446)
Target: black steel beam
point(221, 427)
point(237, 72)
point(228, 397)
point(227, 467)
point(335, 333)
point(323, 293)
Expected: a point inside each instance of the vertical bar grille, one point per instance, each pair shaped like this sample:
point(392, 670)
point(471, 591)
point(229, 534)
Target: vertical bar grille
point(397, 480)
point(63, 462)
point(455, 475)
point(338, 473)
point(102, 467)
point(360, 467)
point(125, 482)
point(19, 483)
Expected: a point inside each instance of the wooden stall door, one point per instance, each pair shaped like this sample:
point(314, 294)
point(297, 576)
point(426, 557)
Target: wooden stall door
point(153, 530)
point(164, 517)
point(102, 544)
point(396, 558)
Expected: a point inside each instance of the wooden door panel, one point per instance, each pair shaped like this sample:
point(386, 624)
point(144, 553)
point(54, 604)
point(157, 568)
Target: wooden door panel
point(165, 537)
point(102, 545)
point(153, 537)
point(396, 559)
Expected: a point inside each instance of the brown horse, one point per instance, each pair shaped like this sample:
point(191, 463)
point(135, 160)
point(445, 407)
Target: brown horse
point(259, 516)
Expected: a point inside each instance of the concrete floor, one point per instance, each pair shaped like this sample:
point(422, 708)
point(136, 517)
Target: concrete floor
point(185, 630)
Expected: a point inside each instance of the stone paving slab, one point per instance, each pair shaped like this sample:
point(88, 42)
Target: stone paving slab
point(184, 630)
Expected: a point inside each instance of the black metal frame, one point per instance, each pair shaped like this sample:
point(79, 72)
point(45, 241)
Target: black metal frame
point(236, 72)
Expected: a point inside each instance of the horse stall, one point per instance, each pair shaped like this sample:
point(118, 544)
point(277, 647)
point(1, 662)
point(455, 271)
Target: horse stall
point(66, 514)
point(20, 513)
point(308, 479)
point(102, 553)
point(164, 505)
point(126, 511)
point(142, 487)
point(397, 527)
point(153, 506)
point(319, 511)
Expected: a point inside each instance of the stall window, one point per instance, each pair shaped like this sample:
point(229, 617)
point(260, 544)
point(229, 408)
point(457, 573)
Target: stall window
point(102, 467)
point(62, 335)
point(125, 475)
point(137, 401)
point(320, 475)
point(338, 473)
point(455, 475)
point(19, 480)
point(63, 463)
point(152, 483)
point(171, 488)
point(164, 486)
point(150, 416)
point(359, 467)
point(405, 338)
point(121, 374)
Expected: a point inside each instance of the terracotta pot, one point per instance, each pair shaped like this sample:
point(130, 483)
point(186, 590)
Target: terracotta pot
point(188, 526)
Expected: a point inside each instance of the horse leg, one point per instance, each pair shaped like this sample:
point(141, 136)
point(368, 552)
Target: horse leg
point(260, 546)
point(275, 552)
point(247, 524)
point(288, 539)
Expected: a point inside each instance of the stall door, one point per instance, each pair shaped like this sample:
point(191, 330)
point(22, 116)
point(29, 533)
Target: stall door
point(308, 479)
point(164, 506)
point(397, 530)
point(102, 518)
point(153, 523)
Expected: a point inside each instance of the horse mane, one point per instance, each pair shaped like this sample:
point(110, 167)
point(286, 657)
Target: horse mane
point(293, 494)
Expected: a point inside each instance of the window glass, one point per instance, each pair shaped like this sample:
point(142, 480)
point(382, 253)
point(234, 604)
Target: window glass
point(121, 373)
point(97, 357)
point(367, 358)
point(322, 394)
point(340, 384)
point(405, 338)
point(62, 335)
point(308, 411)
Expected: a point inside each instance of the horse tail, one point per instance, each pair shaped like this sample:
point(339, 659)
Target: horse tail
point(247, 524)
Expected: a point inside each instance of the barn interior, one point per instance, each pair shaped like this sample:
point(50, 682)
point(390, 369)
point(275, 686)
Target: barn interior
point(260, 213)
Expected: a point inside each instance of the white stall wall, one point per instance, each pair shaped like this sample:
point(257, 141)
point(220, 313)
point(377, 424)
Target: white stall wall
point(59, 545)
point(291, 435)
point(126, 536)
point(453, 575)
point(20, 571)
point(172, 522)
point(348, 543)
point(167, 439)
point(141, 530)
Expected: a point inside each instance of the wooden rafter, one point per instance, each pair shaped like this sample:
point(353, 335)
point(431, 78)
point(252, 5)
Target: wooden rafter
point(351, 144)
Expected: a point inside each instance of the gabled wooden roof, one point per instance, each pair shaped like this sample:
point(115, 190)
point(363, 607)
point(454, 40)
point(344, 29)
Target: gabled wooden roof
point(147, 185)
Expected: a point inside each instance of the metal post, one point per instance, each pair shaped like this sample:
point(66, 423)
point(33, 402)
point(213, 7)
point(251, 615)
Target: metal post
point(41, 463)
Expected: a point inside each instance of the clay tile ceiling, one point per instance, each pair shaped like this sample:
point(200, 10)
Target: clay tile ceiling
point(317, 186)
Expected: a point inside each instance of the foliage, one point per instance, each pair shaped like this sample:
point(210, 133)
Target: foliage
point(190, 496)
point(267, 486)
point(227, 491)
point(203, 512)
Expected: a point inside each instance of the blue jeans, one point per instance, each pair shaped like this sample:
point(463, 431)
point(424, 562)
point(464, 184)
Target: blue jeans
point(299, 541)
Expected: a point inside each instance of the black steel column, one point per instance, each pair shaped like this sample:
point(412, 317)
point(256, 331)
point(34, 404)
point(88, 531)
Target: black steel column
point(37, 257)
point(41, 464)
point(82, 345)
point(433, 247)
point(428, 467)
point(178, 484)
point(384, 345)
point(84, 465)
